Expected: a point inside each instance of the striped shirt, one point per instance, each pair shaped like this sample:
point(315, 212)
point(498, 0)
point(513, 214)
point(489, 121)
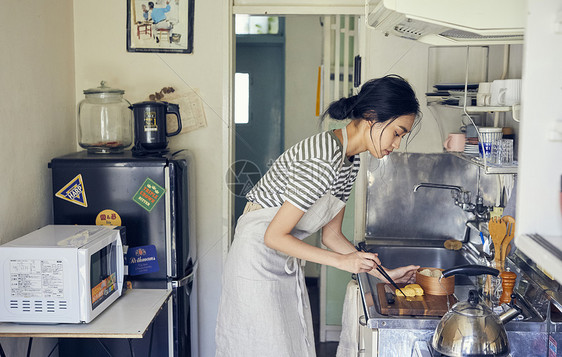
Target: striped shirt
point(305, 172)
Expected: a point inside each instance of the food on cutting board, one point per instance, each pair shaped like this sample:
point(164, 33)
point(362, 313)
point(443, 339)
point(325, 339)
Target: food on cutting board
point(435, 273)
point(417, 288)
point(410, 290)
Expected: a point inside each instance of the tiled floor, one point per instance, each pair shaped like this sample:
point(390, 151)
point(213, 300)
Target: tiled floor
point(324, 349)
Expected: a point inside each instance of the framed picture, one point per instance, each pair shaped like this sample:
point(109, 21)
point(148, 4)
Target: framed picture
point(160, 26)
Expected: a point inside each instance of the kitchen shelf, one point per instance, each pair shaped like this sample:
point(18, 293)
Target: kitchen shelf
point(489, 168)
point(474, 109)
point(128, 317)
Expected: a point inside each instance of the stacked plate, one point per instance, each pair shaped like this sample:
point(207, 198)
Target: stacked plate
point(471, 149)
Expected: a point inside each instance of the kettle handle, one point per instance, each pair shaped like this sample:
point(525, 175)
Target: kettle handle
point(470, 270)
point(174, 109)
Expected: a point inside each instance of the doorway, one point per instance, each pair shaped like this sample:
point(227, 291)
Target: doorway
point(305, 44)
point(259, 104)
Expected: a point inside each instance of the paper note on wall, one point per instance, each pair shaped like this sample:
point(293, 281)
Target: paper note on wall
point(191, 110)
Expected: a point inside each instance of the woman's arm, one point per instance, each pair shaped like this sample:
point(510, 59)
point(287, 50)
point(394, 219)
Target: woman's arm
point(333, 238)
point(278, 236)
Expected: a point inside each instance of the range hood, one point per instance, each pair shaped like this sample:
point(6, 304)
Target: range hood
point(450, 22)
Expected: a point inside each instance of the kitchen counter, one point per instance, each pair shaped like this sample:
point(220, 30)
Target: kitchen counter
point(128, 317)
point(401, 335)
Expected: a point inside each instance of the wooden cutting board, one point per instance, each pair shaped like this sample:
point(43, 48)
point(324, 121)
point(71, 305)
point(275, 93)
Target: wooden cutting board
point(426, 305)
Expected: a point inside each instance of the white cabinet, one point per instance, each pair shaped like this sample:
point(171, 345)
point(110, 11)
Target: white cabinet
point(539, 203)
point(367, 341)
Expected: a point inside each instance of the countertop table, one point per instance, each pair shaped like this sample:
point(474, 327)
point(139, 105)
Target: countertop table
point(128, 317)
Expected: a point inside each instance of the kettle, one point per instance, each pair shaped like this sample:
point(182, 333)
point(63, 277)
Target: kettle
point(150, 125)
point(471, 328)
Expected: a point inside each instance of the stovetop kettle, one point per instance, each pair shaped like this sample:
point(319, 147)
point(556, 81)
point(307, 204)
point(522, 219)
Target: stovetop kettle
point(471, 328)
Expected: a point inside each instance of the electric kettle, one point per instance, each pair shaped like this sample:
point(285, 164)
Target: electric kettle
point(471, 328)
point(150, 125)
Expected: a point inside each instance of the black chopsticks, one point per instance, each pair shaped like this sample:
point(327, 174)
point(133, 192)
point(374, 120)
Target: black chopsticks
point(361, 247)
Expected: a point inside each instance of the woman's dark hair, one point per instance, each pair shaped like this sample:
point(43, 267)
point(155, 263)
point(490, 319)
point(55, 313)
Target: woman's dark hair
point(378, 100)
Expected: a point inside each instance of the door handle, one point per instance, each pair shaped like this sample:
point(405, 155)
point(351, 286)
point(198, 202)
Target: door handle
point(183, 281)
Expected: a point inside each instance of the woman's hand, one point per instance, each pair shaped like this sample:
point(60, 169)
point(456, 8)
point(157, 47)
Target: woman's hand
point(405, 274)
point(358, 262)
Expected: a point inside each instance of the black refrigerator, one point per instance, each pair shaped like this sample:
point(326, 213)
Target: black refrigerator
point(153, 198)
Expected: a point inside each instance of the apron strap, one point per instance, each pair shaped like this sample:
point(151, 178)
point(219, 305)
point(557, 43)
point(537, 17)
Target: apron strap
point(344, 135)
point(344, 144)
point(292, 265)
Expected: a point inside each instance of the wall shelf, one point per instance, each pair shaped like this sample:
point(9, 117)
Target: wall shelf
point(489, 168)
point(474, 109)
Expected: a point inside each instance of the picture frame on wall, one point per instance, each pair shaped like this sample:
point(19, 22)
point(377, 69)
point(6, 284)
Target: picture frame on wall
point(164, 26)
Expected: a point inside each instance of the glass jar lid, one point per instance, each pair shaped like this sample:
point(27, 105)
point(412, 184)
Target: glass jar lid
point(103, 89)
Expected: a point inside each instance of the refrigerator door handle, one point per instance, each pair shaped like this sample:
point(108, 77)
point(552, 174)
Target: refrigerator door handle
point(183, 281)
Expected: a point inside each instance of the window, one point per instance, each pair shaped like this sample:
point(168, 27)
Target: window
point(257, 25)
point(241, 98)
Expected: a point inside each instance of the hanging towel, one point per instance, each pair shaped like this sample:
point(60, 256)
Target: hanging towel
point(349, 337)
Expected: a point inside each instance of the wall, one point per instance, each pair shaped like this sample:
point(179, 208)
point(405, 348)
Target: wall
point(407, 58)
point(37, 115)
point(100, 41)
point(303, 55)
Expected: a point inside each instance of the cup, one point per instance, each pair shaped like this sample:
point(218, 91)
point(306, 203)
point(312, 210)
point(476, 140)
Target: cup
point(505, 92)
point(488, 137)
point(455, 142)
point(502, 152)
point(483, 97)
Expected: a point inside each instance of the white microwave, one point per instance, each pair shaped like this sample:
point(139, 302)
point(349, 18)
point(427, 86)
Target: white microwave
point(61, 274)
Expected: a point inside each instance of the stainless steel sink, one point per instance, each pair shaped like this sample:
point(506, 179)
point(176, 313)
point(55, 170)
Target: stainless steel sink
point(396, 256)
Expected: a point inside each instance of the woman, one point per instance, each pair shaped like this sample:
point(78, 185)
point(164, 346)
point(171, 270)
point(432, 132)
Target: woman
point(264, 308)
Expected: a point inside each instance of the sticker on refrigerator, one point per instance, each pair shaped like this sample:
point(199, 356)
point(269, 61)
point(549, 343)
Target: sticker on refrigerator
point(552, 347)
point(149, 194)
point(74, 192)
point(108, 217)
point(142, 260)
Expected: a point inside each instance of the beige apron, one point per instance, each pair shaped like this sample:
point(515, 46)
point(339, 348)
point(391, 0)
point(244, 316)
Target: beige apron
point(264, 308)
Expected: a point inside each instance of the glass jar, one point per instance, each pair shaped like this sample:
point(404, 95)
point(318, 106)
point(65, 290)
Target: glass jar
point(105, 121)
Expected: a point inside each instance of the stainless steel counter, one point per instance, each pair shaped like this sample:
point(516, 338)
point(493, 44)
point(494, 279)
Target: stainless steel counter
point(398, 335)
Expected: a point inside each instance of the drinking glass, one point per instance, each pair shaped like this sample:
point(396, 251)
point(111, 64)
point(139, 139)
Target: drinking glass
point(502, 152)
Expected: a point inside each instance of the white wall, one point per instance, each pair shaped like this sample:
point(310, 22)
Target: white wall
point(386, 55)
point(100, 41)
point(37, 115)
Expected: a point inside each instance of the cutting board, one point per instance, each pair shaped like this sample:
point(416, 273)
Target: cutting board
point(426, 305)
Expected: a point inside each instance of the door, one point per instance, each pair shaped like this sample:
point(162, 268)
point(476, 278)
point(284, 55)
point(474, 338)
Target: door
point(261, 140)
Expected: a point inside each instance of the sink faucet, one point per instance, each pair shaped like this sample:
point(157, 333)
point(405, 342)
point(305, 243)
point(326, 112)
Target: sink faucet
point(462, 199)
point(437, 185)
